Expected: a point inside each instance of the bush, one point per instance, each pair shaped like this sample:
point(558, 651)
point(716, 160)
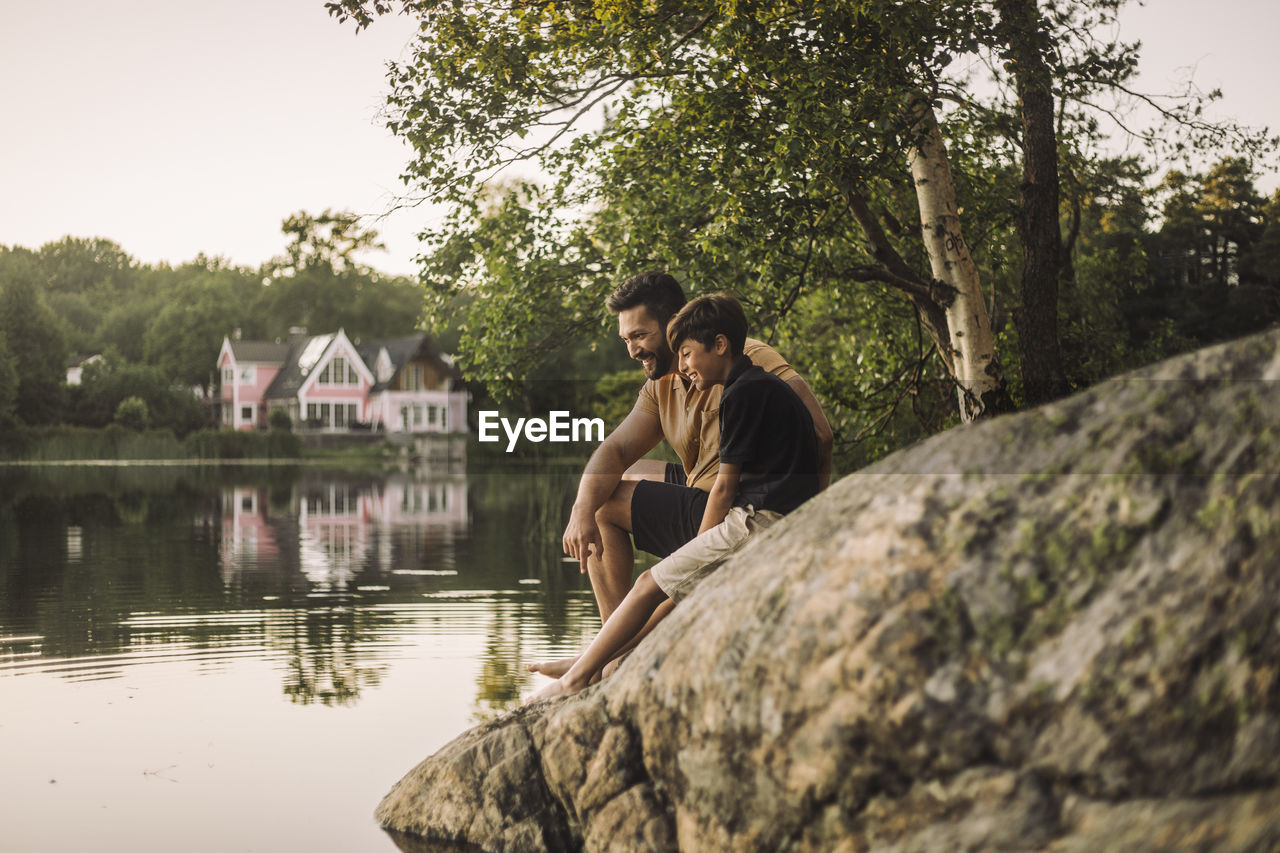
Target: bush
point(283, 444)
point(279, 420)
point(132, 414)
point(243, 444)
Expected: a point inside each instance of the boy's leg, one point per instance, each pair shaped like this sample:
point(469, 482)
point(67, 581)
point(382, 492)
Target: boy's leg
point(667, 516)
point(557, 668)
point(619, 630)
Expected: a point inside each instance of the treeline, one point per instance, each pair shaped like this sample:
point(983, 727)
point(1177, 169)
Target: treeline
point(157, 329)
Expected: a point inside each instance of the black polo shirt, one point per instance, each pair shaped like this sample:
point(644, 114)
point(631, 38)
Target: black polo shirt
point(767, 430)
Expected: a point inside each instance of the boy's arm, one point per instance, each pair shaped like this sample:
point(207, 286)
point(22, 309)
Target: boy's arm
point(723, 491)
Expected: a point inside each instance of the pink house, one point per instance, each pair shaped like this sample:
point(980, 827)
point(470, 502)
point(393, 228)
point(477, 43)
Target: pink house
point(329, 383)
point(247, 369)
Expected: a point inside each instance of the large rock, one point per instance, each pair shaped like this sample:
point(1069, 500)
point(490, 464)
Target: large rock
point(1058, 631)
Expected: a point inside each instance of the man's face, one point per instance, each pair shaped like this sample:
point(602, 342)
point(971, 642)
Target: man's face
point(646, 341)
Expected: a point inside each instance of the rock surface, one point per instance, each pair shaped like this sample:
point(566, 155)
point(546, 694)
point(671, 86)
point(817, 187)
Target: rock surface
point(1058, 630)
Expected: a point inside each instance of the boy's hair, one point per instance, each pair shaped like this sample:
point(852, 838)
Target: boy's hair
point(658, 292)
point(707, 316)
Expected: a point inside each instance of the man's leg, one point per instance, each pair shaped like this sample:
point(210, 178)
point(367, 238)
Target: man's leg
point(647, 469)
point(611, 574)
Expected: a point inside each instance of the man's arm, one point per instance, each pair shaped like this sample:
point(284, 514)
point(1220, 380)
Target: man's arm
point(821, 429)
point(723, 491)
point(638, 433)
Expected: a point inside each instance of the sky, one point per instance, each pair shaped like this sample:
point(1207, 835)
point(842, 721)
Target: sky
point(176, 127)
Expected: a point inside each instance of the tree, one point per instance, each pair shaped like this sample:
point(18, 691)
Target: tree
point(109, 383)
point(132, 413)
point(319, 284)
point(82, 280)
point(795, 113)
point(205, 301)
point(330, 240)
point(34, 340)
point(1028, 45)
point(1212, 249)
point(8, 384)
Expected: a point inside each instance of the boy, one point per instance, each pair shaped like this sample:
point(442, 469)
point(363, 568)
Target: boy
point(768, 467)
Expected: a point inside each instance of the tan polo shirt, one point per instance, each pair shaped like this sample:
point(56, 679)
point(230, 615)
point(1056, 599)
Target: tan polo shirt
point(690, 418)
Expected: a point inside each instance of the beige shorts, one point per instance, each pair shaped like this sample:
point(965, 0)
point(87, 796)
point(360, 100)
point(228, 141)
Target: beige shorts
point(684, 569)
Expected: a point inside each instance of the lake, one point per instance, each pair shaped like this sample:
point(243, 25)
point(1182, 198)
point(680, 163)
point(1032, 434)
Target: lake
point(228, 659)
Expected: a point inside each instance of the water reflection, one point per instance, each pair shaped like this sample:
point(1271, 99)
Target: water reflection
point(326, 576)
point(336, 530)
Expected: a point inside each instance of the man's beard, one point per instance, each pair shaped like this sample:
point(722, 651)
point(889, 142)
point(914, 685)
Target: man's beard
point(658, 367)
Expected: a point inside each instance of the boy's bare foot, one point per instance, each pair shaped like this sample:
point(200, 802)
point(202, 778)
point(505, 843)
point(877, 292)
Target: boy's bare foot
point(612, 666)
point(554, 668)
point(559, 687)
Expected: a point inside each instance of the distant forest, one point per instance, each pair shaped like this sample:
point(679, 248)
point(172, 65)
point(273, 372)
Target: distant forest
point(159, 328)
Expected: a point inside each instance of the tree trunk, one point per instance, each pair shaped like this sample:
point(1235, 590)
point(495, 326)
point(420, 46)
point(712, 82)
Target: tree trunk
point(1043, 376)
point(977, 372)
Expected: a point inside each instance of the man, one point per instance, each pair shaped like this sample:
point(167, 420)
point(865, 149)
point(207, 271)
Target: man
point(662, 504)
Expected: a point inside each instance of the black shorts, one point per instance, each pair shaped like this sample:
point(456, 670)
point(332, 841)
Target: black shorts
point(664, 516)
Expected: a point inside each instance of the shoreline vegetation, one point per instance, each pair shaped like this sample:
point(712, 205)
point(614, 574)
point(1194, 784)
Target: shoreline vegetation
point(117, 446)
point(114, 444)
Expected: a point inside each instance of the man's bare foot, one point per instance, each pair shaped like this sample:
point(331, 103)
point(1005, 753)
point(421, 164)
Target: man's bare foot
point(559, 687)
point(554, 668)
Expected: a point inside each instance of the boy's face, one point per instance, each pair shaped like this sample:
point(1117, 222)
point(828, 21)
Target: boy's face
point(705, 366)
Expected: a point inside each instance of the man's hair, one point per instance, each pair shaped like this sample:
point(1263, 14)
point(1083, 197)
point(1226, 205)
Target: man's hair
point(658, 292)
point(707, 316)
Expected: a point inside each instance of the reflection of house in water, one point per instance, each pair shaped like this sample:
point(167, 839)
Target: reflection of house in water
point(335, 529)
point(419, 522)
point(333, 532)
point(248, 537)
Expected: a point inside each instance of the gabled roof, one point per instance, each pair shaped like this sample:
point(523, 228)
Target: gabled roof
point(302, 353)
point(401, 351)
point(259, 352)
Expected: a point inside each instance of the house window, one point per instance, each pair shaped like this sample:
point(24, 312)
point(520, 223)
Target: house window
point(352, 415)
point(444, 418)
point(246, 375)
point(431, 415)
point(417, 416)
point(228, 376)
point(338, 371)
point(320, 414)
point(413, 377)
point(339, 415)
point(246, 414)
